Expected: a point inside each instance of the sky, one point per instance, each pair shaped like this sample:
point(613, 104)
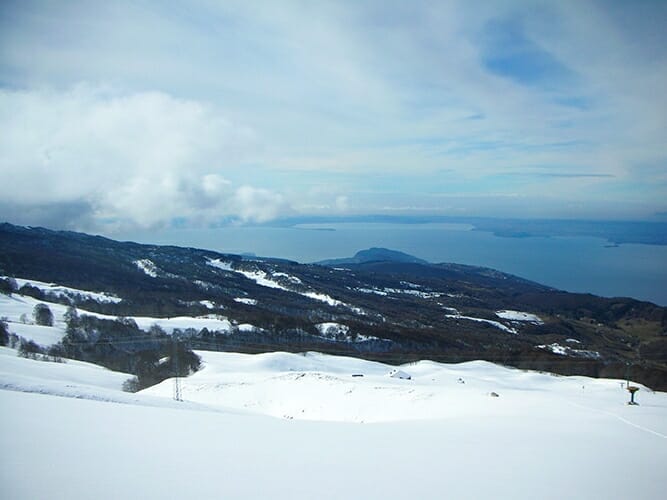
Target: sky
point(151, 114)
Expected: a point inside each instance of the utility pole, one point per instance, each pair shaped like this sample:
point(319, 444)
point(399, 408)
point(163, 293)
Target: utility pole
point(174, 360)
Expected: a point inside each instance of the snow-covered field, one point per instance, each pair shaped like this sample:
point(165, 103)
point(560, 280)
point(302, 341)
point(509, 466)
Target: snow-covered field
point(17, 311)
point(292, 426)
point(337, 434)
point(65, 291)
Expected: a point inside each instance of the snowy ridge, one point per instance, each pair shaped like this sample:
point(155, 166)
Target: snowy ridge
point(321, 387)
point(69, 379)
point(147, 266)
point(246, 300)
point(341, 333)
point(372, 290)
point(314, 386)
point(17, 309)
point(497, 324)
point(262, 279)
point(210, 322)
point(323, 297)
point(417, 293)
point(290, 278)
point(259, 277)
point(519, 316)
point(219, 264)
point(265, 279)
point(65, 291)
point(568, 351)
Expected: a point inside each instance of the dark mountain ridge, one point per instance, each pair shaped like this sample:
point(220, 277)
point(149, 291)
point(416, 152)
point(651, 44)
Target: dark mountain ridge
point(374, 255)
point(384, 305)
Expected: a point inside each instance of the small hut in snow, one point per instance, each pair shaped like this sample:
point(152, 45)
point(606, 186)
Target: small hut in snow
point(396, 373)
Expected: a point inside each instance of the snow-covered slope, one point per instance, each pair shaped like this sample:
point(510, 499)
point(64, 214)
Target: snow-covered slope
point(65, 291)
point(17, 310)
point(70, 378)
point(439, 435)
point(315, 386)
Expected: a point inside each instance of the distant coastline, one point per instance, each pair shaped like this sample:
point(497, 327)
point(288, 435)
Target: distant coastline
point(614, 232)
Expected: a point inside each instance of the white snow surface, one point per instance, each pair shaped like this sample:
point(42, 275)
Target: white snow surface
point(42, 335)
point(497, 324)
point(246, 327)
point(417, 293)
point(265, 279)
point(290, 278)
point(147, 266)
point(246, 301)
point(220, 264)
point(519, 316)
point(568, 351)
point(211, 322)
point(340, 332)
point(372, 290)
point(262, 279)
point(65, 291)
point(15, 306)
point(258, 276)
point(545, 436)
point(323, 297)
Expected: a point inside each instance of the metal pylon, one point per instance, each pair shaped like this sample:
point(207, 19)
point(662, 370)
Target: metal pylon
point(177, 381)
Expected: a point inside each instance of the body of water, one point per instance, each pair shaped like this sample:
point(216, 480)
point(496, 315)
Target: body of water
point(576, 264)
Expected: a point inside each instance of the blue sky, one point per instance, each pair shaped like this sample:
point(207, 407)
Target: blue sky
point(121, 115)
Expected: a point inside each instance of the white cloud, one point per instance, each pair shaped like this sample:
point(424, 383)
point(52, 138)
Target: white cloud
point(140, 158)
point(259, 205)
point(355, 92)
point(341, 203)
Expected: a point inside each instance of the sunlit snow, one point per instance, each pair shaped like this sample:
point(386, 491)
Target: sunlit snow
point(568, 351)
point(519, 316)
point(147, 266)
point(65, 291)
point(497, 324)
point(341, 426)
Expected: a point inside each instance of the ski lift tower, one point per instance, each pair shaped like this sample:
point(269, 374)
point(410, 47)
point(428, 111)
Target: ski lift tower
point(174, 361)
point(632, 389)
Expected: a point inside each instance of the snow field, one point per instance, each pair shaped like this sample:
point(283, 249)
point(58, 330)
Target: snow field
point(321, 387)
point(519, 316)
point(545, 437)
point(15, 306)
point(497, 324)
point(66, 291)
point(264, 279)
point(289, 426)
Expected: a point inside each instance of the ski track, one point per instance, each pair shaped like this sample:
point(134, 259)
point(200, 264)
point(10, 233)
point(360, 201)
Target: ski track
point(618, 417)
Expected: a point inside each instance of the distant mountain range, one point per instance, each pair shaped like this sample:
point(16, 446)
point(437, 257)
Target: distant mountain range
point(379, 304)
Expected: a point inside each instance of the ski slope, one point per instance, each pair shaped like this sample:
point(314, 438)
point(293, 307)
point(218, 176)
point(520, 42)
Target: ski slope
point(292, 426)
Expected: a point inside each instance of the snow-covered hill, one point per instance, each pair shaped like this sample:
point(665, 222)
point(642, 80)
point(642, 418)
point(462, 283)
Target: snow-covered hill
point(17, 311)
point(315, 386)
point(441, 434)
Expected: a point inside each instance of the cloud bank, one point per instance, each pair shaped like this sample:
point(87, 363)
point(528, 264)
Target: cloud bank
point(143, 159)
